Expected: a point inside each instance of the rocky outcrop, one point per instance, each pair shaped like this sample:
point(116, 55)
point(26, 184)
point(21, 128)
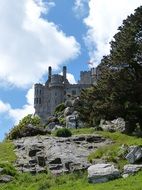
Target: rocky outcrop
point(116, 125)
point(71, 115)
point(132, 168)
point(134, 154)
point(5, 178)
point(36, 154)
point(99, 173)
point(30, 130)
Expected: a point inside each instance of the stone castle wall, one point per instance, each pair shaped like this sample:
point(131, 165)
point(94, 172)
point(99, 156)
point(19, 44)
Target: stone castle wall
point(56, 90)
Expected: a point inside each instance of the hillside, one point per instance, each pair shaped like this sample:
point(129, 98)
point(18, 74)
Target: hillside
point(72, 181)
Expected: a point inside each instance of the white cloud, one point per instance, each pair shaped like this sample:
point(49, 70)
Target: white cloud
point(19, 113)
point(105, 16)
point(4, 107)
point(70, 78)
point(29, 44)
point(80, 8)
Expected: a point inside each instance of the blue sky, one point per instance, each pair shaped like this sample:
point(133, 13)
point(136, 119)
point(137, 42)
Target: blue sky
point(38, 33)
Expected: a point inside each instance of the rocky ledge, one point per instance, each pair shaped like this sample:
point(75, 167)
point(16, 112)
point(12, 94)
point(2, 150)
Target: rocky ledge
point(57, 154)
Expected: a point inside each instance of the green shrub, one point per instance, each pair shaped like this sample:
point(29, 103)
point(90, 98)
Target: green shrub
point(8, 169)
point(62, 121)
point(59, 108)
point(63, 132)
point(29, 119)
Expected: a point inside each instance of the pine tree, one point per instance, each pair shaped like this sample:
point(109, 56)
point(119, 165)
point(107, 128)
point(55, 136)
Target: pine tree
point(118, 92)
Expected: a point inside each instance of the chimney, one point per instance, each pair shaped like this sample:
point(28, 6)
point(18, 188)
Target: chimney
point(49, 73)
point(64, 72)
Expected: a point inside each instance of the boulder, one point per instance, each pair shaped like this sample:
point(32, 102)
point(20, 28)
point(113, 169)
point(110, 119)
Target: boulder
point(51, 126)
point(5, 178)
point(71, 121)
point(1, 170)
point(75, 113)
point(57, 127)
point(30, 130)
point(99, 173)
point(132, 168)
point(75, 102)
point(116, 125)
point(68, 103)
point(68, 111)
point(134, 154)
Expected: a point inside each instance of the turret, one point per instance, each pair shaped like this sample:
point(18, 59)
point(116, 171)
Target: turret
point(49, 73)
point(64, 73)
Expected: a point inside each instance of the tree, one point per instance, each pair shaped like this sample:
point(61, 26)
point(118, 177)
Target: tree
point(118, 92)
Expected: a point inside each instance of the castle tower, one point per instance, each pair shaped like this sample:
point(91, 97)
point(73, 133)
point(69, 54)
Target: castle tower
point(64, 73)
point(56, 87)
point(49, 73)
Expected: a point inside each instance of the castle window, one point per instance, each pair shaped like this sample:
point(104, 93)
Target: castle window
point(55, 93)
point(64, 92)
point(73, 92)
point(39, 100)
point(40, 91)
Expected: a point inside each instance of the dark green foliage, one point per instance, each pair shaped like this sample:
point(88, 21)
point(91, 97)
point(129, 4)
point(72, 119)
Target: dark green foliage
point(63, 133)
point(62, 121)
point(8, 169)
point(118, 92)
point(59, 108)
point(29, 119)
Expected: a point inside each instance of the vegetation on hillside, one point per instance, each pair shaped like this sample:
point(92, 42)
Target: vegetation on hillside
point(73, 181)
point(76, 181)
point(116, 151)
point(63, 133)
point(118, 91)
point(17, 130)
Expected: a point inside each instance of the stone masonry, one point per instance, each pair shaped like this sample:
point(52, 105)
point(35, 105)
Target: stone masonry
point(57, 89)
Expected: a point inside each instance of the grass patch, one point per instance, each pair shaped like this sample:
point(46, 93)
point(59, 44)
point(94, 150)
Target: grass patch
point(80, 131)
point(113, 152)
point(7, 154)
point(120, 138)
point(83, 131)
point(70, 182)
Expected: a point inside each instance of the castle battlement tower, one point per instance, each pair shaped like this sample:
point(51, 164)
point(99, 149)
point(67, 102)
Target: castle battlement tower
point(53, 93)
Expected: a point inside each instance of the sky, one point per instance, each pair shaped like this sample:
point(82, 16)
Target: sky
point(36, 34)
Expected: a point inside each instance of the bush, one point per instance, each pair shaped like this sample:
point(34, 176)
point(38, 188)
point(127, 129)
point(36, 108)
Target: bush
point(16, 130)
point(8, 169)
point(62, 121)
point(59, 108)
point(63, 132)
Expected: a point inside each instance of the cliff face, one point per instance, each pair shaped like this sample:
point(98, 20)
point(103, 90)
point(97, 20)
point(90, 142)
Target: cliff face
point(39, 153)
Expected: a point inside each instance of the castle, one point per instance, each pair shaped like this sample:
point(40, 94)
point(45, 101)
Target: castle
point(56, 90)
